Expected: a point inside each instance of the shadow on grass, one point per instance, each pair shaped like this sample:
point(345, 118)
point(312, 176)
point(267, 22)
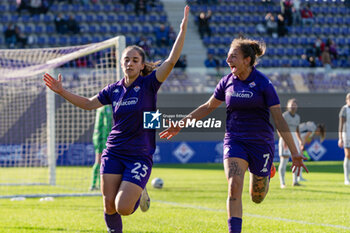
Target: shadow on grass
point(203, 166)
point(313, 166)
point(324, 167)
point(318, 191)
point(47, 229)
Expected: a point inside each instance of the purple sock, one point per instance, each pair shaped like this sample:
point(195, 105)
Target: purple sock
point(114, 222)
point(136, 205)
point(234, 225)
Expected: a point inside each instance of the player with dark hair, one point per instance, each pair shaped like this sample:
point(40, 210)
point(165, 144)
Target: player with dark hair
point(126, 163)
point(344, 136)
point(249, 137)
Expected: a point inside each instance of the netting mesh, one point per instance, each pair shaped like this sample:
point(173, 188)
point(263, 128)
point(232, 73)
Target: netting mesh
point(24, 160)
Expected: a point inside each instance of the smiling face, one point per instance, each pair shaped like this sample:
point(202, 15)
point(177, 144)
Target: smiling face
point(237, 63)
point(132, 63)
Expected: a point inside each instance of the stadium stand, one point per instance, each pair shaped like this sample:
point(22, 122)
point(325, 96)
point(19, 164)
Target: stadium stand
point(97, 22)
point(232, 18)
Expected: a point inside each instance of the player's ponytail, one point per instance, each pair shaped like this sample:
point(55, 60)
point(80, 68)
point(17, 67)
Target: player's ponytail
point(149, 67)
point(322, 129)
point(250, 48)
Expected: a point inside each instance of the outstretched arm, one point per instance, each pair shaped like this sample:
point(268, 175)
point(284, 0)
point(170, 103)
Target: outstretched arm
point(164, 70)
point(283, 129)
point(82, 102)
point(197, 114)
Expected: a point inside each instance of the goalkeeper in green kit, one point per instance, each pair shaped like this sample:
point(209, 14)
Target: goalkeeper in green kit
point(103, 125)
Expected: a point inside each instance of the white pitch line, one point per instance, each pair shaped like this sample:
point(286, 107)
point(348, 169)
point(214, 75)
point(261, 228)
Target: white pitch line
point(253, 215)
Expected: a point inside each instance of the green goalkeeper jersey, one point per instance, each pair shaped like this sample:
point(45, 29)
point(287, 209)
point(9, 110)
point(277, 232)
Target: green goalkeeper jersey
point(103, 125)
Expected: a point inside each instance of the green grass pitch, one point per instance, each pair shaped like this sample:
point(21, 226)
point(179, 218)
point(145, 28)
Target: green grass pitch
point(193, 199)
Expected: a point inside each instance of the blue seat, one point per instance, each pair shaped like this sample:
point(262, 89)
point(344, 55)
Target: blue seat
point(111, 18)
point(135, 29)
point(63, 40)
point(206, 40)
point(152, 19)
point(100, 18)
point(121, 19)
point(162, 18)
point(96, 7)
point(326, 30)
point(92, 29)
point(107, 7)
point(113, 29)
point(76, 8)
point(89, 18)
point(221, 30)
point(73, 40)
point(52, 40)
point(146, 29)
point(50, 29)
point(131, 19)
point(96, 39)
point(63, 7)
point(103, 29)
point(36, 19)
point(38, 29)
point(42, 40)
point(28, 29)
point(48, 18)
point(124, 29)
point(84, 40)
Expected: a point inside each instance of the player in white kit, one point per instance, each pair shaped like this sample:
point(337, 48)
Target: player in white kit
point(344, 136)
point(293, 121)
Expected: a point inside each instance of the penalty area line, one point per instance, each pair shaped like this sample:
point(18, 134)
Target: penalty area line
point(253, 215)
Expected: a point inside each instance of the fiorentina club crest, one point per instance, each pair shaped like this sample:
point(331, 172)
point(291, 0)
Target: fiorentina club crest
point(183, 152)
point(316, 150)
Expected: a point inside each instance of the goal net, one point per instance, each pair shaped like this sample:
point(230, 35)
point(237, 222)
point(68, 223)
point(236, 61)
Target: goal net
point(46, 142)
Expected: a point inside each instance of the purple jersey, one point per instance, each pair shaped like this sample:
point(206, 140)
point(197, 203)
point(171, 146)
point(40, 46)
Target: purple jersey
point(128, 136)
point(247, 107)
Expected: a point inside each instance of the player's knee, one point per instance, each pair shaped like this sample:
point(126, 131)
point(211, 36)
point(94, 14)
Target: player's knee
point(234, 188)
point(124, 209)
point(109, 206)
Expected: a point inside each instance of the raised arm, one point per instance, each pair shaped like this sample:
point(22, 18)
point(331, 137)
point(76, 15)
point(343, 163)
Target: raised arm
point(283, 129)
point(82, 102)
point(197, 114)
point(164, 70)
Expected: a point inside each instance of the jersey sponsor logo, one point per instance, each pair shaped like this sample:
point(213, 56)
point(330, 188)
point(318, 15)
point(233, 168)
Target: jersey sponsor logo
point(129, 101)
point(116, 91)
point(151, 120)
point(183, 152)
point(126, 102)
point(242, 94)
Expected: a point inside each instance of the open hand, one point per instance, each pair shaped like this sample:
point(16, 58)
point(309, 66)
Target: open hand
point(297, 163)
point(170, 132)
point(52, 83)
point(185, 18)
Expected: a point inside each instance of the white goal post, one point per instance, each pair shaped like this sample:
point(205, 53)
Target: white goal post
point(45, 142)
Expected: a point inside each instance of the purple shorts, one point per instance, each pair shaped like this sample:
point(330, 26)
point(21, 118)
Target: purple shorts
point(135, 169)
point(258, 156)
